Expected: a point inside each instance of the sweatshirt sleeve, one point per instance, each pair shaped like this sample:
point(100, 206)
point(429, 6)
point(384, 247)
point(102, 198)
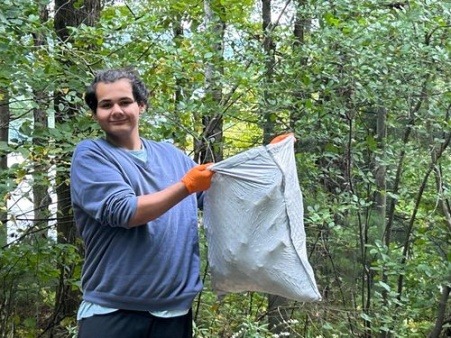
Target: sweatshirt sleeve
point(99, 189)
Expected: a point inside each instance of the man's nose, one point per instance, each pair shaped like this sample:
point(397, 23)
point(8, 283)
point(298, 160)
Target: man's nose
point(116, 108)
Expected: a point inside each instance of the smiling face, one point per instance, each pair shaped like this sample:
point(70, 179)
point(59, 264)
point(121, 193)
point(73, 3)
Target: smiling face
point(118, 113)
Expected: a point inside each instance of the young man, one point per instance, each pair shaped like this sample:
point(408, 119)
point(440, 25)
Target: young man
point(135, 207)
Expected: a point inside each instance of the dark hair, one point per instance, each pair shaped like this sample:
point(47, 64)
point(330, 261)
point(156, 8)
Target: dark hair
point(140, 92)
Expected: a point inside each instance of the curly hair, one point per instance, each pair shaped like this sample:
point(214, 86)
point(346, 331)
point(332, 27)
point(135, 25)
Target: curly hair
point(139, 89)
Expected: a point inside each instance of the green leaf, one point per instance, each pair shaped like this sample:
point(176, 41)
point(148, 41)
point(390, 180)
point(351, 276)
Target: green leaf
point(384, 285)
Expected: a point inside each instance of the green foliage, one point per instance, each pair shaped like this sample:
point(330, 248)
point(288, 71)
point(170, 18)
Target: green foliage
point(29, 273)
point(354, 61)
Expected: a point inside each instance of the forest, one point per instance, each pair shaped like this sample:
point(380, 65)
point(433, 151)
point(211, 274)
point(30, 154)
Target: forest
point(363, 85)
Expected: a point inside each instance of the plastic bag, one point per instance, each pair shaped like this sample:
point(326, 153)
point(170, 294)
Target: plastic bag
point(253, 217)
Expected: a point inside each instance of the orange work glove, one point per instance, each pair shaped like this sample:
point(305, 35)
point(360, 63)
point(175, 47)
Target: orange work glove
point(280, 138)
point(198, 178)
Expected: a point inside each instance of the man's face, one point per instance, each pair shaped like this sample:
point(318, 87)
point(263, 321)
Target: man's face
point(117, 112)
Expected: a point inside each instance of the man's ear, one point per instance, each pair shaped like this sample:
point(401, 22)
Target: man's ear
point(94, 116)
point(142, 108)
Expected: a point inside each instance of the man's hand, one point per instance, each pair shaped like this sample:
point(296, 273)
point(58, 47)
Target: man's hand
point(198, 178)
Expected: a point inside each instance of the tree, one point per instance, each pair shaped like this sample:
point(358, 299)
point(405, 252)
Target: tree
point(364, 85)
point(209, 147)
point(41, 198)
point(4, 139)
point(269, 54)
point(277, 312)
point(68, 14)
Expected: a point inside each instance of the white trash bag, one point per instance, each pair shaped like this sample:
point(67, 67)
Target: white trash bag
point(253, 217)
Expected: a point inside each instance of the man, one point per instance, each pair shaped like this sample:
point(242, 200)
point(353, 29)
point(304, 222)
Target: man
point(135, 207)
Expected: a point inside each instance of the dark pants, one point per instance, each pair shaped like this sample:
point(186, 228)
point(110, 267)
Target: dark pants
point(135, 324)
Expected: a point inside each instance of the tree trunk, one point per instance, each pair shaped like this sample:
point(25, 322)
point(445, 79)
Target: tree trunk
point(41, 198)
point(179, 80)
point(209, 147)
point(302, 26)
point(445, 206)
point(380, 173)
point(441, 312)
point(4, 132)
point(277, 313)
point(446, 210)
point(269, 50)
point(67, 15)
point(391, 205)
point(379, 125)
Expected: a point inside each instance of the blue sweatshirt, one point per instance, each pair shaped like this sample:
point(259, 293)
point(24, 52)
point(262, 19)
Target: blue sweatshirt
point(153, 267)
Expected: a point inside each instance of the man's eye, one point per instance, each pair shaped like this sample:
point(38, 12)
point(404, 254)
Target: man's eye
point(109, 105)
point(106, 105)
point(125, 103)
